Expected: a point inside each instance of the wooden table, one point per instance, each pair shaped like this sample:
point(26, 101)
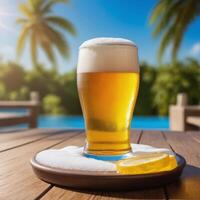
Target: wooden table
point(17, 180)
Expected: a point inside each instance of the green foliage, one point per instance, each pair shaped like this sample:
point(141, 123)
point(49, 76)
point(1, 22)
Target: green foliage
point(70, 94)
point(52, 104)
point(21, 94)
point(43, 29)
point(145, 96)
point(2, 91)
point(174, 79)
point(43, 80)
point(51, 82)
point(12, 75)
point(171, 19)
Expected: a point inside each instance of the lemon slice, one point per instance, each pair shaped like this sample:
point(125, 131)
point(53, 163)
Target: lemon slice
point(145, 164)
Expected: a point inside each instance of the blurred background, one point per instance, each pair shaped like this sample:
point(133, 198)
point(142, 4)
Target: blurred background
point(39, 41)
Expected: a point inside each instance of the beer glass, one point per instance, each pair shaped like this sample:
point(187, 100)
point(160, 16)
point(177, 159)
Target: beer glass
point(108, 82)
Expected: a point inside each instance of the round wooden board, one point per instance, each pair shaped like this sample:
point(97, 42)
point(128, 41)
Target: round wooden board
point(105, 181)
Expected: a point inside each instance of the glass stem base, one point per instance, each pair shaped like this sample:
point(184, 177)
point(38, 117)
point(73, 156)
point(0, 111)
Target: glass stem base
point(108, 157)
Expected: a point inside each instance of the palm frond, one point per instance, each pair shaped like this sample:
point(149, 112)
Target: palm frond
point(48, 50)
point(158, 10)
point(21, 21)
point(176, 44)
point(169, 37)
point(36, 4)
point(165, 41)
point(48, 4)
point(58, 40)
point(182, 24)
point(33, 47)
point(61, 22)
point(171, 18)
point(166, 17)
point(21, 41)
point(25, 10)
point(43, 30)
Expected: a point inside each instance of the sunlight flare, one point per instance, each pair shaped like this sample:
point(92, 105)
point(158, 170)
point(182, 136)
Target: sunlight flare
point(3, 17)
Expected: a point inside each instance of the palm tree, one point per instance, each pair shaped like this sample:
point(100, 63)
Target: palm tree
point(43, 30)
point(171, 18)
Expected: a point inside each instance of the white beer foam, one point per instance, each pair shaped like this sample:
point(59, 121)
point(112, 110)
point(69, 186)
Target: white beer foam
point(106, 41)
point(108, 55)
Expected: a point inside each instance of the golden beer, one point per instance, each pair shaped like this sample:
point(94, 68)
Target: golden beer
point(107, 101)
point(108, 82)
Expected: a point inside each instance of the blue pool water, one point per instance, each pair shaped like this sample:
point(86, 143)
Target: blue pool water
point(64, 121)
point(78, 122)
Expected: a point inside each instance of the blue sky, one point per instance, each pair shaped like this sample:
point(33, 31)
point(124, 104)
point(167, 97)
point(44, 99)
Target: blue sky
point(97, 18)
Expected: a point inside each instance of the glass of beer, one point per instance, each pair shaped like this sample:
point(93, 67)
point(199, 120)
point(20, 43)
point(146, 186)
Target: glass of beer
point(108, 82)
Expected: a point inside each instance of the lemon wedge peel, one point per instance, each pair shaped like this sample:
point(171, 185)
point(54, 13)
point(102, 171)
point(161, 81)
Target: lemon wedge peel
point(146, 164)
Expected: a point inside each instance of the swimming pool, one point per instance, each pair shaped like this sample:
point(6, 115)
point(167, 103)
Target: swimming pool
point(148, 122)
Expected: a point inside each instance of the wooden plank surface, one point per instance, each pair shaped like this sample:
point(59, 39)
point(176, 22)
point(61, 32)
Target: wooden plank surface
point(189, 185)
point(195, 135)
point(13, 140)
point(17, 180)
